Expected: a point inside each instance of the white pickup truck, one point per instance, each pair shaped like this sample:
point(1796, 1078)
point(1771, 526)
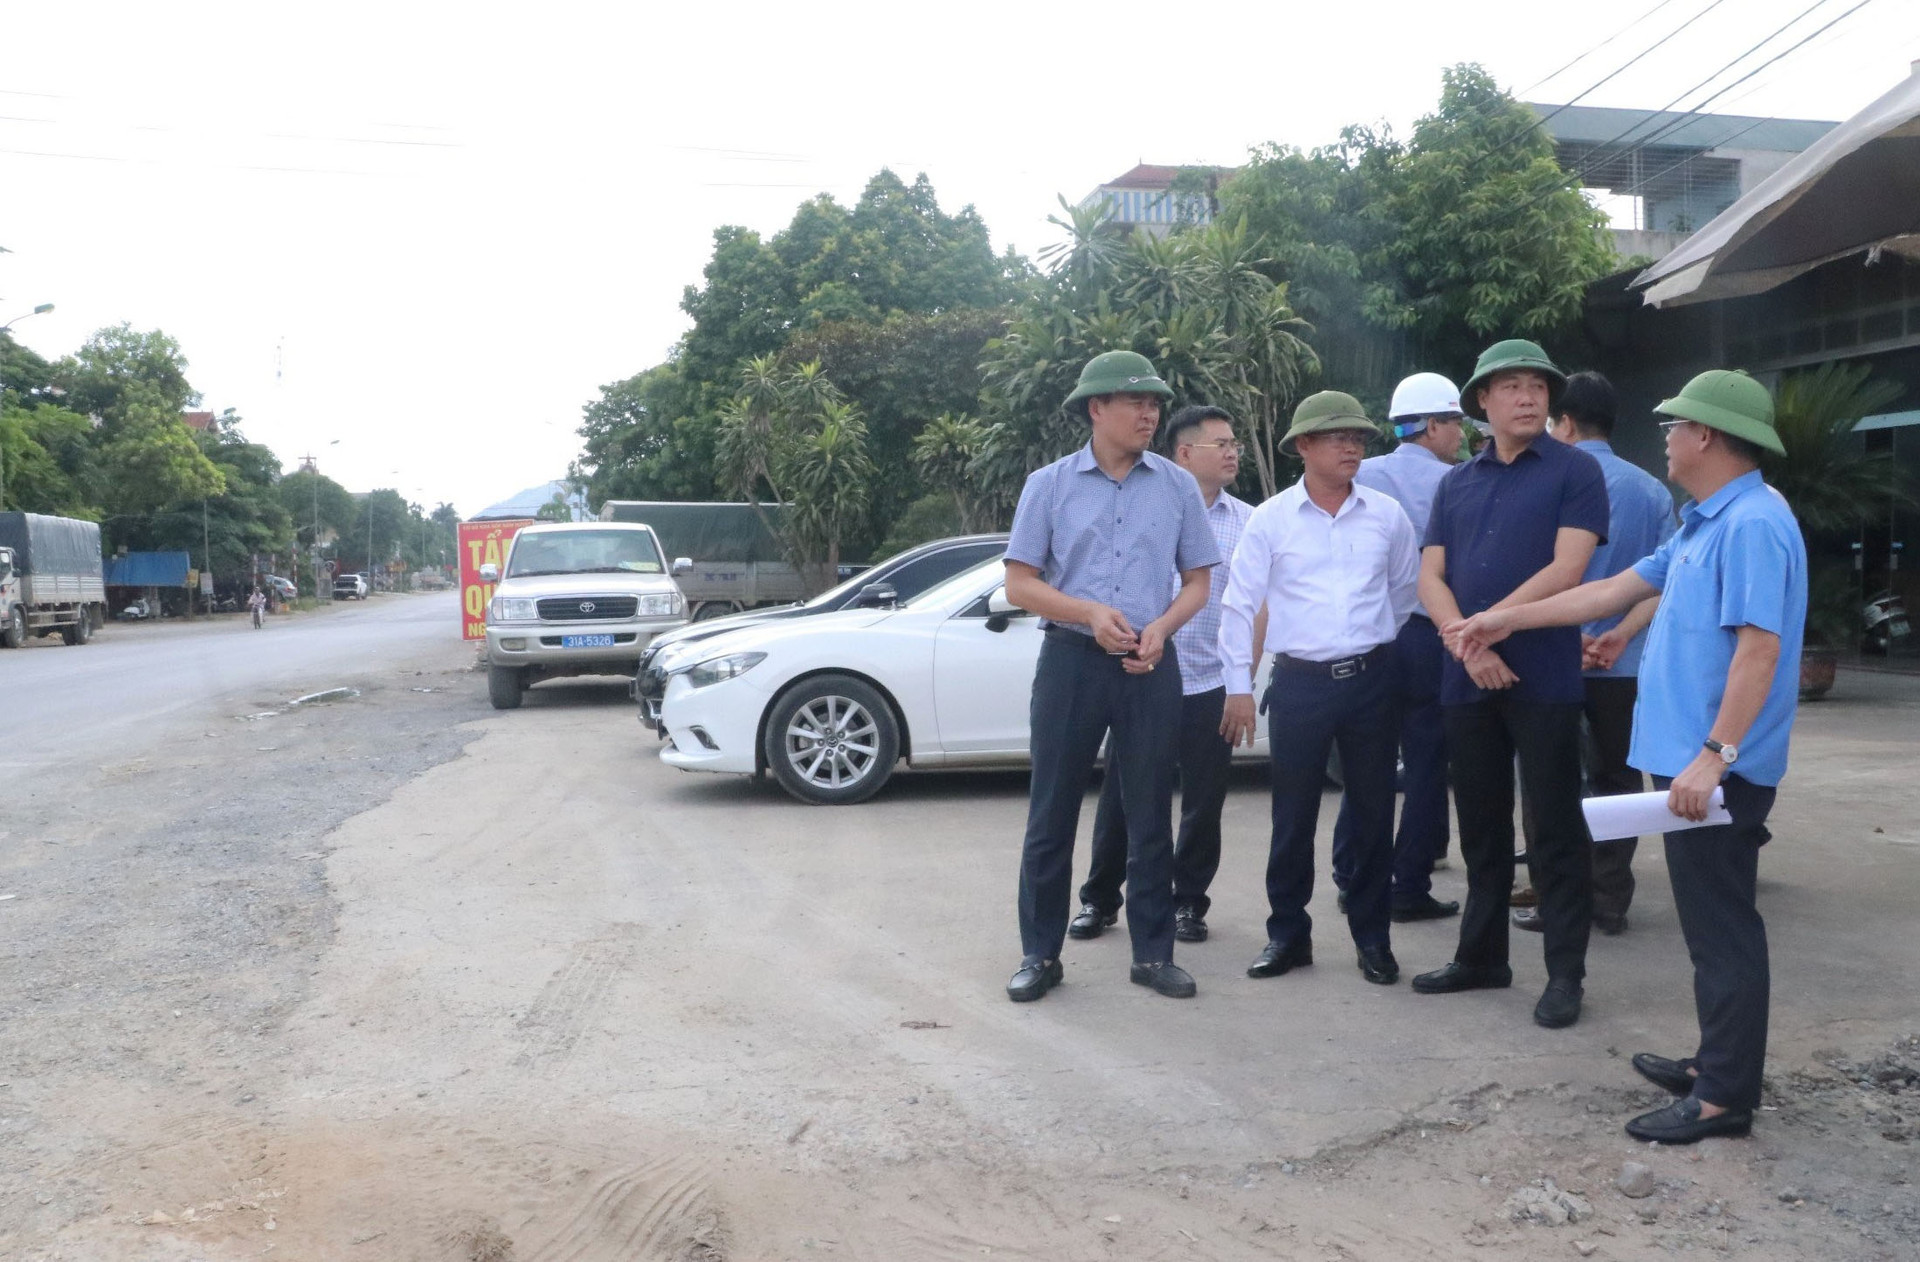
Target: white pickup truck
point(575, 598)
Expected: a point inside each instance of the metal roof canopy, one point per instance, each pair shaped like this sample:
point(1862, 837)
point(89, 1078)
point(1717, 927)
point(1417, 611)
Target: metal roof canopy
point(1597, 125)
point(1857, 188)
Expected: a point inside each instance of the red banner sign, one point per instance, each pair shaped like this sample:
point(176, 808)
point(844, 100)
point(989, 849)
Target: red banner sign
point(481, 543)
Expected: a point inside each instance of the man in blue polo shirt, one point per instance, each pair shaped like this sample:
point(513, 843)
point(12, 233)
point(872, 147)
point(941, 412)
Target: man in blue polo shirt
point(1639, 520)
point(1722, 680)
point(1517, 522)
point(1094, 538)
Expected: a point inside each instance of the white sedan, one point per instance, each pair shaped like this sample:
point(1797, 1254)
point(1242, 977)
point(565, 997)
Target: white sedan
point(831, 704)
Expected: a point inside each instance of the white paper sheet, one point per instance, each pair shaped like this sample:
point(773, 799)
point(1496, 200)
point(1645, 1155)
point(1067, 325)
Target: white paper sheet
point(1643, 814)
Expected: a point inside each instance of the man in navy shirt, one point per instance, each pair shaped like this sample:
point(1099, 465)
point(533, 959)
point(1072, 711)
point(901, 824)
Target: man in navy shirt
point(1639, 519)
point(1516, 523)
point(1094, 539)
point(1722, 670)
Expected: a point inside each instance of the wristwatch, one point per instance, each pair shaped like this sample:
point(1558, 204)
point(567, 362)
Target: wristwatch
point(1728, 754)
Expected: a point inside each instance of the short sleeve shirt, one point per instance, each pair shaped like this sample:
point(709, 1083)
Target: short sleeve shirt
point(1737, 561)
point(1111, 542)
point(1640, 518)
point(1498, 523)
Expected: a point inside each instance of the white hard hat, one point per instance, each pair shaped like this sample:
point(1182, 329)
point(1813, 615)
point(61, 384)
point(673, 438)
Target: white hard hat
point(1422, 395)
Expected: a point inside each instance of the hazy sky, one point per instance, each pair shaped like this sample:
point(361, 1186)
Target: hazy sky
point(417, 237)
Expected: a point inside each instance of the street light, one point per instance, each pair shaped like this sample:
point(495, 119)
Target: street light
point(42, 309)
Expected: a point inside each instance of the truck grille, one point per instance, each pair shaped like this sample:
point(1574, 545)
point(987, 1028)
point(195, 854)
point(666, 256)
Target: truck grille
point(587, 608)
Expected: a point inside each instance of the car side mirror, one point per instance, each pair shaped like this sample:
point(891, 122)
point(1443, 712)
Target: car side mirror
point(877, 596)
point(999, 604)
point(682, 565)
point(489, 573)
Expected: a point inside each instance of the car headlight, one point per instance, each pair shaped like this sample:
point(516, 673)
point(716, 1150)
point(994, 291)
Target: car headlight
point(513, 609)
point(715, 669)
point(664, 605)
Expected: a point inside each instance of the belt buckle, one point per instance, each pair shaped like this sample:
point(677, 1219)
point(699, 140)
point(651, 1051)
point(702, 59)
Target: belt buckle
point(1346, 668)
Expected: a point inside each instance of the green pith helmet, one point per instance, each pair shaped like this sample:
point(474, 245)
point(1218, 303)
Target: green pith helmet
point(1728, 401)
point(1515, 352)
point(1324, 413)
point(1117, 372)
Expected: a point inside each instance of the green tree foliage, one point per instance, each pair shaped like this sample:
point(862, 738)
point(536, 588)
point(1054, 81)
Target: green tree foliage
point(790, 437)
point(647, 438)
point(1198, 303)
point(892, 297)
point(901, 372)
point(944, 454)
point(307, 495)
point(1414, 255)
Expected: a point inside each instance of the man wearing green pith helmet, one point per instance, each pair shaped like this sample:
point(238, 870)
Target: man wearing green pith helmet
point(1719, 684)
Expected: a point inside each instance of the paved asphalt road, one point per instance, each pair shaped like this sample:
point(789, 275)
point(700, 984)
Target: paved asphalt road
point(133, 680)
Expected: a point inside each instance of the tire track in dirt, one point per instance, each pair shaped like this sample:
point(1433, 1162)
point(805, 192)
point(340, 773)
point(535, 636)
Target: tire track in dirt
point(664, 1209)
point(553, 1025)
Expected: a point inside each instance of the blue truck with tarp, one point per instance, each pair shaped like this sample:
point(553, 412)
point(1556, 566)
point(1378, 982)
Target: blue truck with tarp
point(51, 578)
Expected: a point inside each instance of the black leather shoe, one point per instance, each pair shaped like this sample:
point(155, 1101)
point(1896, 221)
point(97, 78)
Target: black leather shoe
point(1612, 926)
point(1458, 976)
point(1661, 1072)
point(1528, 918)
point(1426, 907)
point(1091, 922)
point(1559, 1005)
point(1378, 966)
point(1681, 1123)
point(1166, 978)
point(1034, 980)
point(1188, 926)
point(1281, 957)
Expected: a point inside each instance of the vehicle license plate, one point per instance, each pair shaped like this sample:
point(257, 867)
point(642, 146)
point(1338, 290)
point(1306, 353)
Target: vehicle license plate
point(586, 641)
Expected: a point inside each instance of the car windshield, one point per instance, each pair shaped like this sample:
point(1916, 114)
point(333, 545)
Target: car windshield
point(966, 583)
point(584, 552)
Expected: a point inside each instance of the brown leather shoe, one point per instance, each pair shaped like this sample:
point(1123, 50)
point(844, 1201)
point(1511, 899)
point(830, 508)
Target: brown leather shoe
point(1525, 896)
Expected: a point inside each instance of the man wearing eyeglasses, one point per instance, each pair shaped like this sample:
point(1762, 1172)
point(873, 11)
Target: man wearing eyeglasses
point(1516, 523)
point(1426, 418)
point(1201, 441)
point(1334, 563)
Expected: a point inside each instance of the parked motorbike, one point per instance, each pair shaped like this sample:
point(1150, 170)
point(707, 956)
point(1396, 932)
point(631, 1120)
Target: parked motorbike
point(138, 611)
point(1885, 616)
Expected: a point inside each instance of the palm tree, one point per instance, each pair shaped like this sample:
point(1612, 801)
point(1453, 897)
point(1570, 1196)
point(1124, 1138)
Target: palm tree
point(1834, 486)
point(943, 451)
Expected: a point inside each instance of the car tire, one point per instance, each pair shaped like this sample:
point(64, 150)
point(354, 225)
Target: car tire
point(713, 609)
point(505, 687)
point(77, 631)
point(15, 635)
point(831, 740)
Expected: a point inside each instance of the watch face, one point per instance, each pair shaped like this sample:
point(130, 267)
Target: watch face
point(1728, 754)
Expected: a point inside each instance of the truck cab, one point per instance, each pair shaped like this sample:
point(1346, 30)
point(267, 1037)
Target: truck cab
point(575, 598)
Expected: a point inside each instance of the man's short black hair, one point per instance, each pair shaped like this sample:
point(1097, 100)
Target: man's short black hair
point(1190, 418)
point(1590, 402)
point(1744, 448)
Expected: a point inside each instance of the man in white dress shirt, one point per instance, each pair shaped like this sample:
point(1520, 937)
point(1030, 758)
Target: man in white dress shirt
point(1336, 565)
point(1426, 418)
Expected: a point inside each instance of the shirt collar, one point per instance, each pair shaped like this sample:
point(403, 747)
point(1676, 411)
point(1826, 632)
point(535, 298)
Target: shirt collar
point(1415, 452)
point(1531, 449)
point(1358, 497)
point(1716, 503)
point(1594, 444)
point(1083, 461)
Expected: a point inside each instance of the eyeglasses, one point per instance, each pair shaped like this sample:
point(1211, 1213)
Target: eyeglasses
point(1224, 444)
point(1342, 437)
point(1667, 427)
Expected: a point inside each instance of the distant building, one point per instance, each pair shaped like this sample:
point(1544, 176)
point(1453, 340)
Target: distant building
point(1144, 197)
point(528, 503)
point(1671, 172)
point(202, 421)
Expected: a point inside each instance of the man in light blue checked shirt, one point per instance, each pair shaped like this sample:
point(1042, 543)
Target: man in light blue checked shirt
point(1201, 441)
point(1093, 541)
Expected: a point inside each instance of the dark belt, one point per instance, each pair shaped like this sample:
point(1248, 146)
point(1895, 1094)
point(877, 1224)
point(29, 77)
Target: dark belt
point(1422, 617)
point(1344, 668)
point(1060, 635)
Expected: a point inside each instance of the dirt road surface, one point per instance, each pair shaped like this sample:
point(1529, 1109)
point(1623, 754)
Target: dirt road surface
point(400, 977)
